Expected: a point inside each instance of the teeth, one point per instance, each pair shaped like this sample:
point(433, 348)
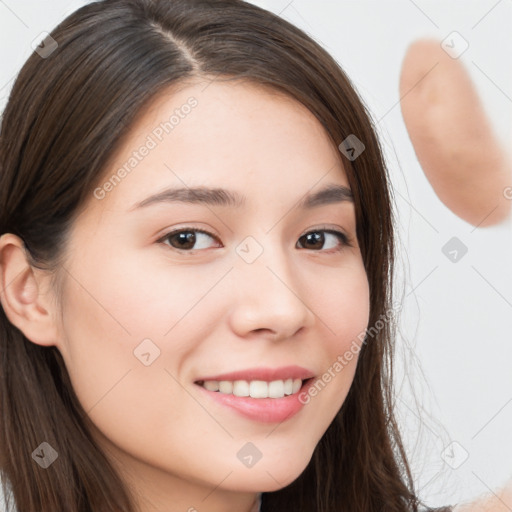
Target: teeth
point(258, 389)
point(288, 386)
point(297, 384)
point(255, 388)
point(241, 388)
point(211, 385)
point(225, 386)
point(276, 389)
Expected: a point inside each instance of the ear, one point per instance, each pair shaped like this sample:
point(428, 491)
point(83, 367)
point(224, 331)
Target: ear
point(23, 293)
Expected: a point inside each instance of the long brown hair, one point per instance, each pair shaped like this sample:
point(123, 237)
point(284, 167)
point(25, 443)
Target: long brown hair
point(66, 115)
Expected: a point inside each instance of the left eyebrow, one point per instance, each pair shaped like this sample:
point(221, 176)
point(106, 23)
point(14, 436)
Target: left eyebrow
point(332, 193)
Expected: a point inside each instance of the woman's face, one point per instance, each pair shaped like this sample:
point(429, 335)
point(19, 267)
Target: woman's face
point(146, 315)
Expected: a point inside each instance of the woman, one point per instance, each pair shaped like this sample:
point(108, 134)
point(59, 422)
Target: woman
point(141, 372)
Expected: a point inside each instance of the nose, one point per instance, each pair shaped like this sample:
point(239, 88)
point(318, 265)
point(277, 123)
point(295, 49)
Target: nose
point(269, 298)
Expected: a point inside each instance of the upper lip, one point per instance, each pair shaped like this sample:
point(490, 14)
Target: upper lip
point(264, 373)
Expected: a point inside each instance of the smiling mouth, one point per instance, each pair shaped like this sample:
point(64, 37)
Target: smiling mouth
point(255, 388)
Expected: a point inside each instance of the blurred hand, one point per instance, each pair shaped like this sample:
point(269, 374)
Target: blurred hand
point(452, 137)
point(460, 156)
point(501, 501)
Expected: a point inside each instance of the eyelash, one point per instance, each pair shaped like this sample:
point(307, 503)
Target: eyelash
point(342, 237)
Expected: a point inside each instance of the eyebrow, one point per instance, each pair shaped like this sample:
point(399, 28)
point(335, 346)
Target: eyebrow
point(331, 194)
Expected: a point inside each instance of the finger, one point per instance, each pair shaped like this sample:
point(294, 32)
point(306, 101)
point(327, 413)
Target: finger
point(497, 501)
point(452, 137)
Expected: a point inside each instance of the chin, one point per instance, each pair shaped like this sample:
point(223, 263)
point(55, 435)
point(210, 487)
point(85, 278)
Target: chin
point(272, 476)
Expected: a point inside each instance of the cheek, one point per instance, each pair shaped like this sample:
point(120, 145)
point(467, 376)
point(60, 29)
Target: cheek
point(341, 301)
point(121, 301)
point(111, 321)
point(342, 304)
point(117, 311)
point(150, 296)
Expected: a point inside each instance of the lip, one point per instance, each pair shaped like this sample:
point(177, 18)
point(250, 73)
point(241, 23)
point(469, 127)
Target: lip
point(263, 410)
point(264, 373)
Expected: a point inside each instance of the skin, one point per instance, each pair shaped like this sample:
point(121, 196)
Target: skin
point(292, 305)
point(497, 501)
point(452, 136)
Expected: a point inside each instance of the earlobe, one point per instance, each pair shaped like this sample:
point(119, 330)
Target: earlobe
point(21, 295)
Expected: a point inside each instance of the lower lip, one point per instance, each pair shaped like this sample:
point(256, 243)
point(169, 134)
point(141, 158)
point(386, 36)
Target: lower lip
point(265, 410)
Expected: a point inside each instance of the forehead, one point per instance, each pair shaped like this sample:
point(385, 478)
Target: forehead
point(222, 133)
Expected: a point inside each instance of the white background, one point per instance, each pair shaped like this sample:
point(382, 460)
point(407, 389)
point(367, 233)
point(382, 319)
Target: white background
point(455, 337)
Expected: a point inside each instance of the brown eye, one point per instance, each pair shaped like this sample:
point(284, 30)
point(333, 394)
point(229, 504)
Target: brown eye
point(316, 239)
point(185, 239)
